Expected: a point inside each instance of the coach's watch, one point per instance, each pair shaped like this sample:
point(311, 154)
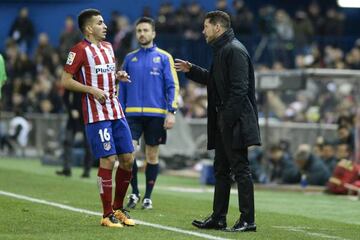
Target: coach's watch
point(172, 111)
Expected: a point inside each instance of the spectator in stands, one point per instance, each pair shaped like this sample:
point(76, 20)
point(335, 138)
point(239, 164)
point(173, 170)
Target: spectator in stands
point(282, 168)
point(242, 19)
point(198, 109)
point(267, 30)
point(353, 58)
point(194, 18)
point(112, 25)
point(12, 56)
point(22, 30)
point(267, 20)
point(68, 37)
point(44, 95)
point(333, 57)
point(346, 136)
point(146, 12)
point(18, 133)
point(23, 85)
point(346, 120)
point(318, 146)
point(122, 38)
point(317, 21)
point(311, 167)
point(182, 19)
point(222, 5)
point(285, 35)
point(24, 66)
point(284, 26)
point(44, 54)
point(328, 155)
point(194, 105)
point(311, 59)
point(343, 151)
point(304, 32)
point(166, 22)
point(20, 71)
point(334, 23)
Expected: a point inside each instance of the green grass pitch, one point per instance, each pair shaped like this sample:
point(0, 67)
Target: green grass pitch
point(176, 200)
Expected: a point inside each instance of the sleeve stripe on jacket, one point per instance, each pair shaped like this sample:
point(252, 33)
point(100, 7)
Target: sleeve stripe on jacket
point(174, 77)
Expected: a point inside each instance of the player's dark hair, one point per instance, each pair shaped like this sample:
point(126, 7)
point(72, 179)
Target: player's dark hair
point(85, 16)
point(146, 20)
point(219, 17)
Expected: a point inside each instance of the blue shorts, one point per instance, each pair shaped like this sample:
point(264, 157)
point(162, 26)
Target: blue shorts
point(108, 138)
point(152, 127)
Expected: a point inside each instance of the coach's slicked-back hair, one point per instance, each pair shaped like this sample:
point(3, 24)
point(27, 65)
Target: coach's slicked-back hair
point(85, 16)
point(146, 20)
point(219, 17)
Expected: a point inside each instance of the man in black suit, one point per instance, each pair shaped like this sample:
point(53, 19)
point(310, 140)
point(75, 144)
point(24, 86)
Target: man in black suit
point(232, 120)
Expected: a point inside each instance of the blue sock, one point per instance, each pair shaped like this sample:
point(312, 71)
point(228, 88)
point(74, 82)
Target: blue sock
point(151, 173)
point(134, 181)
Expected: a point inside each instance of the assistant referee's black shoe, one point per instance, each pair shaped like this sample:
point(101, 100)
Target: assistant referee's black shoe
point(85, 175)
point(211, 222)
point(133, 200)
point(242, 226)
point(66, 173)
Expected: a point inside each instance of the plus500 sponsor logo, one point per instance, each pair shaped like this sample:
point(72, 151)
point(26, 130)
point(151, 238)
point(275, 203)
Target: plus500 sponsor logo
point(105, 68)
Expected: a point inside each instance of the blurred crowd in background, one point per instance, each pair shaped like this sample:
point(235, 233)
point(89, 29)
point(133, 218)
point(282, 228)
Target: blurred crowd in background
point(277, 164)
point(282, 42)
point(308, 37)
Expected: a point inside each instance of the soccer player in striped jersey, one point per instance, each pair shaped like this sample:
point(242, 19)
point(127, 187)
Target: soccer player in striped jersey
point(90, 69)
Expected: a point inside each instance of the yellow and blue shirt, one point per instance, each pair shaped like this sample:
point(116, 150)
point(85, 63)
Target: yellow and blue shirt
point(154, 86)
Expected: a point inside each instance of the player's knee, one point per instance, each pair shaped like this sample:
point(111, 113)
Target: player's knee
point(152, 155)
point(152, 159)
point(107, 162)
point(126, 161)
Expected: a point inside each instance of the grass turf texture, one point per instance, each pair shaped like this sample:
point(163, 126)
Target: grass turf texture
point(279, 215)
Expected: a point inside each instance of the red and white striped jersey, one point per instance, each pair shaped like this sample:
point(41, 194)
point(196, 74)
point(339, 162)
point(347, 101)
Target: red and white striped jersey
point(95, 66)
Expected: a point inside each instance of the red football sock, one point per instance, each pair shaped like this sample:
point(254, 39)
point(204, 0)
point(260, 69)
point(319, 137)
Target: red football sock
point(122, 181)
point(105, 187)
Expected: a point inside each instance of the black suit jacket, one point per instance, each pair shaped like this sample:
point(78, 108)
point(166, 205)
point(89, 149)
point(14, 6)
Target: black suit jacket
point(231, 88)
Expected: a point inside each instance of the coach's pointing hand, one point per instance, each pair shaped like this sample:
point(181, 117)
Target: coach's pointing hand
point(182, 65)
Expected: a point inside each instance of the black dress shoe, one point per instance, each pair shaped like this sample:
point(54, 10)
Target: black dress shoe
point(242, 226)
point(211, 223)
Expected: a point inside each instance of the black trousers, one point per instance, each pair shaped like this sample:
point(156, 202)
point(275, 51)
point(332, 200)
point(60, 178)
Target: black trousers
point(232, 163)
point(68, 146)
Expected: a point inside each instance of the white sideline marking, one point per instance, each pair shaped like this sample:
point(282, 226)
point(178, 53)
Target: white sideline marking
point(79, 210)
point(305, 230)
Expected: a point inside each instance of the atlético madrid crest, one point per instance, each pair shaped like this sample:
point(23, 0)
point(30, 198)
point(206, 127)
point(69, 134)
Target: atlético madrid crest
point(107, 146)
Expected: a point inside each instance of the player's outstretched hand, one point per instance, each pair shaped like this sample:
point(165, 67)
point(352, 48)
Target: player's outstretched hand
point(123, 76)
point(99, 94)
point(182, 65)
